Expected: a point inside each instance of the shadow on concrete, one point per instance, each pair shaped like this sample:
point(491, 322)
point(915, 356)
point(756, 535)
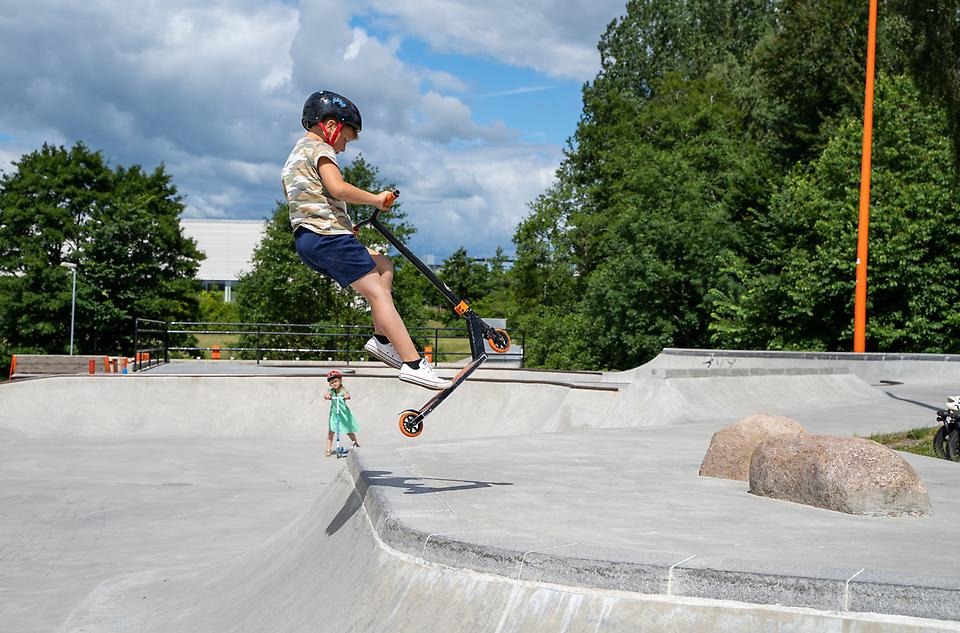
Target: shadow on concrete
point(413, 485)
point(916, 402)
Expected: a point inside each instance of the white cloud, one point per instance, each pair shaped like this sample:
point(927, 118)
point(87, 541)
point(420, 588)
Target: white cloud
point(214, 90)
point(359, 39)
point(558, 39)
point(445, 119)
point(468, 196)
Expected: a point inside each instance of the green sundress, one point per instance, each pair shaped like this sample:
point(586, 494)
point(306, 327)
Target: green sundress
point(339, 411)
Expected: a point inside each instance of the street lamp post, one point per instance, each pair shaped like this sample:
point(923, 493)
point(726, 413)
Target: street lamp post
point(73, 301)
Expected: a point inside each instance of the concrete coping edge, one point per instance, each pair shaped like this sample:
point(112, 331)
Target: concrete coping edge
point(411, 518)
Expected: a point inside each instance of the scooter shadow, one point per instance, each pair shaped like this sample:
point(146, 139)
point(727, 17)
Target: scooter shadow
point(412, 485)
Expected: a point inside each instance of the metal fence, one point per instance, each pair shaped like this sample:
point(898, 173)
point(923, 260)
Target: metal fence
point(159, 341)
point(149, 343)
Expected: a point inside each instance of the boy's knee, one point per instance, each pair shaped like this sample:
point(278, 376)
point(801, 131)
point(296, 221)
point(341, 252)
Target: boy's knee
point(378, 293)
point(384, 264)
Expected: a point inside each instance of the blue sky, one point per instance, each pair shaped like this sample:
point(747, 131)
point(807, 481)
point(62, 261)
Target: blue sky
point(543, 109)
point(467, 106)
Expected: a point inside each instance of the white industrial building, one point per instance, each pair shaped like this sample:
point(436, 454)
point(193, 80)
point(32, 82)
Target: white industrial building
point(228, 245)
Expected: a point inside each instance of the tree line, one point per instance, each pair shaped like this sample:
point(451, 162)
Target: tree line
point(708, 198)
point(120, 226)
point(709, 195)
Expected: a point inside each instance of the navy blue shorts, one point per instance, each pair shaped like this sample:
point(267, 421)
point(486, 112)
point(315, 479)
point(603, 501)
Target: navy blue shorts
point(341, 257)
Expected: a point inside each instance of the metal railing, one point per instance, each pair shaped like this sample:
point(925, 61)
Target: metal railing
point(150, 343)
point(285, 341)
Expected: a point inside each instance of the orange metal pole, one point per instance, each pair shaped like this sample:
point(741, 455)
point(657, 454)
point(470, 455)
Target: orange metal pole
point(860, 304)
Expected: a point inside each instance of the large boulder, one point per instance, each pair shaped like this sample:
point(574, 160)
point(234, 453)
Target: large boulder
point(732, 446)
point(846, 474)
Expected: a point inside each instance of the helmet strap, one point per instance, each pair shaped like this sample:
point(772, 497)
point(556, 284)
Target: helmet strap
point(329, 137)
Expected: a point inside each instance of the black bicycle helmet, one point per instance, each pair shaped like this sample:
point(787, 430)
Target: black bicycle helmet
point(329, 105)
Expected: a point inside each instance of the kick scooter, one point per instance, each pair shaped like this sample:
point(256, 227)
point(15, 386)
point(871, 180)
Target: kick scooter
point(411, 420)
point(337, 401)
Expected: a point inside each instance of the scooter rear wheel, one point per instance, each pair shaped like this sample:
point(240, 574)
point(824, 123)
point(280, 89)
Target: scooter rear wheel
point(411, 423)
point(953, 445)
point(499, 341)
point(940, 443)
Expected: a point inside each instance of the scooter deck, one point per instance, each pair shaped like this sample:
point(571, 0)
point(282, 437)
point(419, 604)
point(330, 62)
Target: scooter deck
point(461, 375)
point(411, 420)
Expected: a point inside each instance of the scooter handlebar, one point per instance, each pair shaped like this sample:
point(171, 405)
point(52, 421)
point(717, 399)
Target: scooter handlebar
point(391, 198)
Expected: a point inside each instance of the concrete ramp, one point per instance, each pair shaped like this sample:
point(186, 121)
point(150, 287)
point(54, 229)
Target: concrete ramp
point(677, 396)
point(329, 571)
point(289, 407)
point(533, 501)
point(292, 407)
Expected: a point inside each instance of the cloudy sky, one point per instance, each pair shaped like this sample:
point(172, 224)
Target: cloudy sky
point(466, 105)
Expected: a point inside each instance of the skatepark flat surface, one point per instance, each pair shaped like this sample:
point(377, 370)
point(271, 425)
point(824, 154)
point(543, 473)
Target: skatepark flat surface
point(196, 497)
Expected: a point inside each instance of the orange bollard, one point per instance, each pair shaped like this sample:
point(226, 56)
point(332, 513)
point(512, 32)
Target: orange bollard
point(13, 366)
point(215, 353)
point(92, 368)
point(428, 354)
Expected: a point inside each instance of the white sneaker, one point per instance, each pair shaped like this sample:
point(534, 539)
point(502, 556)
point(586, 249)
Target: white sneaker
point(385, 352)
point(423, 377)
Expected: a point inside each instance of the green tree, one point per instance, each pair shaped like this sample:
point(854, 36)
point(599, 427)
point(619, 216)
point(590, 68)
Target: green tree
point(44, 204)
point(810, 70)
point(135, 260)
point(614, 260)
point(213, 309)
point(800, 295)
point(498, 301)
point(633, 257)
point(933, 49)
point(466, 277)
point(68, 205)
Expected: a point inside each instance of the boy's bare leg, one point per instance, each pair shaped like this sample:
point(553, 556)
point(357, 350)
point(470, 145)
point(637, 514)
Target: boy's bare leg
point(385, 315)
point(385, 270)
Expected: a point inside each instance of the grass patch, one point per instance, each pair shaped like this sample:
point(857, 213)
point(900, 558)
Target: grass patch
point(450, 346)
point(215, 340)
point(918, 441)
point(218, 340)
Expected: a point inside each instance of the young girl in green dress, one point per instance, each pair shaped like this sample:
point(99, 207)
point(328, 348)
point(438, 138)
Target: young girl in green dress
point(339, 411)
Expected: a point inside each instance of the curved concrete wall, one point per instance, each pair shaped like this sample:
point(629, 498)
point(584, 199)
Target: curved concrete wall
point(323, 574)
point(293, 407)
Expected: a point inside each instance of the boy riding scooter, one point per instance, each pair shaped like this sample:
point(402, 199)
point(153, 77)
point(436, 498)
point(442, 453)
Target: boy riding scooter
point(325, 238)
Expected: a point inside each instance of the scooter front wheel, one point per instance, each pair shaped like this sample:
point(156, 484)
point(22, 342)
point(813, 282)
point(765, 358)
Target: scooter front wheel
point(499, 341)
point(411, 423)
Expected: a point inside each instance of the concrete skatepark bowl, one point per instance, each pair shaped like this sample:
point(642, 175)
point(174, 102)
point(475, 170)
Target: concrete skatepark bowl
point(195, 497)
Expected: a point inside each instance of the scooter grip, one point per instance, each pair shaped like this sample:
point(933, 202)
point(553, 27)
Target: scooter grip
point(391, 198)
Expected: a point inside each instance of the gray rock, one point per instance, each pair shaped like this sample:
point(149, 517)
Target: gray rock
point(845, 474)
point(732, 446)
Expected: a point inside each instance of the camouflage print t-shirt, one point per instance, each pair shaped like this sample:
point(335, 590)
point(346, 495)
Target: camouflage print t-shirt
point(311, 205)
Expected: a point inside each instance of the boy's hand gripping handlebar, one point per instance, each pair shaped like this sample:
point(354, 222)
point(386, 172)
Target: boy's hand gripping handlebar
point(391, 198)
